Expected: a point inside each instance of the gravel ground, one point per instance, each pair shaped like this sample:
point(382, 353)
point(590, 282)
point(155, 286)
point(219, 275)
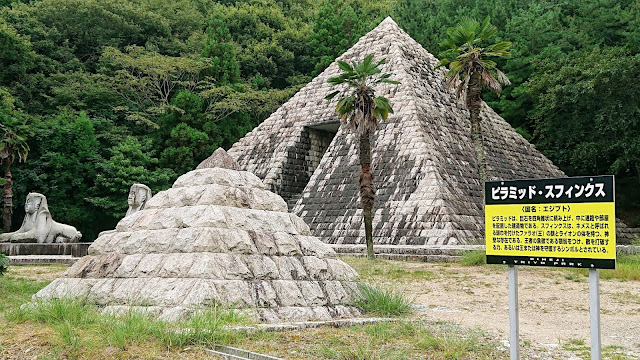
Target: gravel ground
point(553, 306)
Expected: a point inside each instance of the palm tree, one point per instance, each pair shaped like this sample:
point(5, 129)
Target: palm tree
point(359, 109)
point(470, 71)
point(11, 145)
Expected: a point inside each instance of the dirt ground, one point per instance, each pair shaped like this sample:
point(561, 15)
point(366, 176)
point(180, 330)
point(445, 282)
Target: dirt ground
point(553, 304)
point(553, 307)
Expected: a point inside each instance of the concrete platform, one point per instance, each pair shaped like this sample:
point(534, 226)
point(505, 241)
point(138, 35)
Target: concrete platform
point(42, 259)
point(19, 249)
point(425, 253)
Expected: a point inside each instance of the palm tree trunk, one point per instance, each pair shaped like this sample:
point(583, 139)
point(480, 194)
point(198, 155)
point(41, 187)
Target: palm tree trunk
point(367, 192)
point(474, 104)
point(7, 197)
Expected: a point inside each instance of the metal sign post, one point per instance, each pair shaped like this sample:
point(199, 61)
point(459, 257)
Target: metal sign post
point(514, 338)
point(594, 309)
point(563, 222)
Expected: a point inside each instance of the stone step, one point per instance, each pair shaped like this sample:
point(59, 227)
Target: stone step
point(42, 259)
point(409, 257)
point(19, 249)
point(230, 353)
point(448, 250)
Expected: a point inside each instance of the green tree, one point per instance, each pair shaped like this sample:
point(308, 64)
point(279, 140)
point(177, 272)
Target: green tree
point(17, 56)
point(328, 39)
point(63, 158)
point(360, 110)
point(219, 47)
point(470, 72)
point(148, 80)
point(4, 263)
point(131, 162)
point(269, 42)
point(587, 117)
point(12, 144)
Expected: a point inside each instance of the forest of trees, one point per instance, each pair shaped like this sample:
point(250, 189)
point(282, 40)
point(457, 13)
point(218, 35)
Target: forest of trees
point(114, 92)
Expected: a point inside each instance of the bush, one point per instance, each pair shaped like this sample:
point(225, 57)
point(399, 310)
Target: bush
point(4, 264)
point(383, 301)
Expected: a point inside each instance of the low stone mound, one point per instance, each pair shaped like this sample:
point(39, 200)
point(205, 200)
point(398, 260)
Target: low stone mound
point(216, 237)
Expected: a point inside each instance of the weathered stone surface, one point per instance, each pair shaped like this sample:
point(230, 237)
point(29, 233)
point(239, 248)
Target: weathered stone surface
point(428, 188)
point(95, 266)
point(216, 237)
point(219, 159)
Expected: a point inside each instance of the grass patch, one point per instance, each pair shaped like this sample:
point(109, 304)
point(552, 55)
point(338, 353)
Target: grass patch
point(381, 301)
point(389, 270)
point(574, 277)
point(17, 291)
point(398, 340)
point(450, 345)
point(627, 269)
point(70, 317)
point(55, 311)
point(207, 328)
point(473, 258)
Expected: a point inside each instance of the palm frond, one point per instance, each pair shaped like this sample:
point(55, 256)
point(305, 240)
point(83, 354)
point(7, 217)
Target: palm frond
point(488, 64)
point(332, 95)
point(490, 82)
point(344, 66)
point(502, 78)
point(360, 111)
point(499, 47)
point(464, 44)
point(486, 30)
point(443, 62)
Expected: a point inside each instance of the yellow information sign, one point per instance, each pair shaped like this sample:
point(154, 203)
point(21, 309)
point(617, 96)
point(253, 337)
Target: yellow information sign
point(566, 222)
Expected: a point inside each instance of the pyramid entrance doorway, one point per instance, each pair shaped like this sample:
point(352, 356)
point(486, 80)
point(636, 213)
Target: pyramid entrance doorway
point(304, 158)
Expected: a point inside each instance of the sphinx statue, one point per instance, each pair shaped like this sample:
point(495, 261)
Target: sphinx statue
point(39, 227)
point(139, 194)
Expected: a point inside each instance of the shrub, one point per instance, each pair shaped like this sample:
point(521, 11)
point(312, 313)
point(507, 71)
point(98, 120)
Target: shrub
point(383, 301)
point(4, 264)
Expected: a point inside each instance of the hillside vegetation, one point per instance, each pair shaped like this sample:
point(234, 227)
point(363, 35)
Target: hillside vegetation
point(114, 92)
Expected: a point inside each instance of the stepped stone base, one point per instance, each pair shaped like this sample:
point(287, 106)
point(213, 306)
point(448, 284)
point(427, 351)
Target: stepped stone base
point(437, 253)
point(430, 253)
point(75, 250)
point(626, 235)
point(216, 237)
point(42, 259)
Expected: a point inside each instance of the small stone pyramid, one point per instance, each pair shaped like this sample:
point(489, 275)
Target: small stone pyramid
point(216, 236)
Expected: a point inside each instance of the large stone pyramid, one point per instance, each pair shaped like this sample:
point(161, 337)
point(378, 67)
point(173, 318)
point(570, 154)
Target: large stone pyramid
point(428, 191)
point(217, 236)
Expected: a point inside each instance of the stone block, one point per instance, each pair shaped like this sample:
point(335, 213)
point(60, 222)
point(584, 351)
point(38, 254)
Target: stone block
point(149, 265)
point(262, 267)
point(235, 293)
point(202, 294)
point(316, 268)
point(288, 293)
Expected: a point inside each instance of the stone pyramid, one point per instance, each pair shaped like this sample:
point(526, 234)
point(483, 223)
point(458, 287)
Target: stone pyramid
point(216, 236)
point(428, 191)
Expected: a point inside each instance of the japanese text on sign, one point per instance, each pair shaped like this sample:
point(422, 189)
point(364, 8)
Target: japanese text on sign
point(571, 220)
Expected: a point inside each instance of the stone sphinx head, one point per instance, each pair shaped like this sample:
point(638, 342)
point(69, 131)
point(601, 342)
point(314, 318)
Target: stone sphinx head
point(139, 194)
point(35, 203)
